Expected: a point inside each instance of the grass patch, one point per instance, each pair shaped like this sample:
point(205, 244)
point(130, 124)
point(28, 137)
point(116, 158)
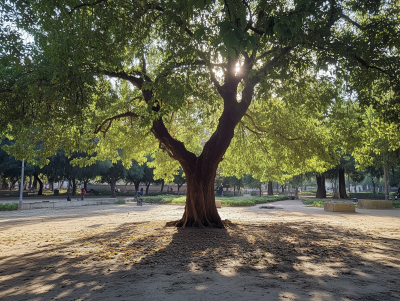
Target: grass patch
point(234, 202)
point(396, 204)
point(8, 207)
point(226, 201)
point(120, 202)
point(315, 202)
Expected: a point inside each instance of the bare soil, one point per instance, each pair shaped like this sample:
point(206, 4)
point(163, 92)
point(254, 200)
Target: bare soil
point(285, 251)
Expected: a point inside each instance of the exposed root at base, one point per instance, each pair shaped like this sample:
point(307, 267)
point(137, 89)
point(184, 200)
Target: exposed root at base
point(196, 224)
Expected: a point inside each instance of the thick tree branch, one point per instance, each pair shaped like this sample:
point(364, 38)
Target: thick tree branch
point(347, 18)
point(111, 119)
point(366, 65)
point(176, 149)
point(273, 62)
point(86, 4)
point(137, 82)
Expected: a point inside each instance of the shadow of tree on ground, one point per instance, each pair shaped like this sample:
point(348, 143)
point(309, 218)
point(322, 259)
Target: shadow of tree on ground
point(147, 261)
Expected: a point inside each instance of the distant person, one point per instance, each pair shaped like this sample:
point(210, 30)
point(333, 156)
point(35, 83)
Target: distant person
point(83, 191)
point(141, 191)
point(68, 198)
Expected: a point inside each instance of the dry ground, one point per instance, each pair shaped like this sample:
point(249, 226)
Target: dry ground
point(123, 252)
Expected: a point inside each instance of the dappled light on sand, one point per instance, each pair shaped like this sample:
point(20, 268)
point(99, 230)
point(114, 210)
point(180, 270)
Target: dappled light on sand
point(279, 260)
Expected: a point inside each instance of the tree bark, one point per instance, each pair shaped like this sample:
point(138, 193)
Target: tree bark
point(147, 188)
point(373, 186)
point(270, 190)
point(136, 186)
point(34, 182)
point(342, 184)
point(260, 191)
point(162, 185)
point(387, 184)
point(69, 186)
point(200, 209)
point(321, 190)
point(73, 186)
point(37, 179)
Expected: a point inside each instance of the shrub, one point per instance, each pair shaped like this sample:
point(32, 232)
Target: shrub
point(8, 207)
point(120, 202)
point(396, 204)
point(315, 202)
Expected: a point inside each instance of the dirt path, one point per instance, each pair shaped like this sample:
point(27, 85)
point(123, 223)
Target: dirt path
point(123, 252)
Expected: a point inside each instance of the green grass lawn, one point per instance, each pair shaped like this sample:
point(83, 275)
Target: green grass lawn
point(8, 207)
point(226, 201)
point(315, 202)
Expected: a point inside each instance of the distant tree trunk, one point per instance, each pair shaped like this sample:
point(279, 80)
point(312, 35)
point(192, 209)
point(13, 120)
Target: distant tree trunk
point(85, 185)
point(283, 188)
point(73, 186)
point(270, 190)
point(321, 190)
point(37, 179)
point(387, 184)
point(234, 190)
point(61, 184)
point(30, 182)
point(373, 186)
point(136, 186)
point(147, 188)
point(296, 192)
point(69, 186)
point(34, 182)
point(260, 191)
point(4, 184)
point(113, 184)
point(342, 184)
point(162, 185)
point(51, 184)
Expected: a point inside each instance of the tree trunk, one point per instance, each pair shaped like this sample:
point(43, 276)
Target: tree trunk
point(200, 209)
point(373, 186)
point(296, 192)
point(69, 186)
point(30, 182)
point(342, 184)
point(260, 191)
point(37, 179)
point(321, 191)
point(387, 185)
point(162, 185)
point(283, 189)
point(73, 186)
point(85, 185)
point(4, 184)
point(147, 188)
point(270, 190)
point(136, 186)
point(113, 184)
point(34, 182)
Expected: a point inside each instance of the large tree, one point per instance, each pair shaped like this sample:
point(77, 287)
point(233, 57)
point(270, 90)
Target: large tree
point(197, 68)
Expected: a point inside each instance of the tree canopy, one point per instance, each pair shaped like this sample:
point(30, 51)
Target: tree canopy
point(181, 80)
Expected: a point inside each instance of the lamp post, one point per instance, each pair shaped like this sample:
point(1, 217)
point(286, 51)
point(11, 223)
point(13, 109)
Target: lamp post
point(21, 189)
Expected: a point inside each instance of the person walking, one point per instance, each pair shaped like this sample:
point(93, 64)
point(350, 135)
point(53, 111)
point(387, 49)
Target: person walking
point(83, 194)
point(141, 191)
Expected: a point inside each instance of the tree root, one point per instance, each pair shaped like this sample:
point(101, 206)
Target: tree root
point(197, 223)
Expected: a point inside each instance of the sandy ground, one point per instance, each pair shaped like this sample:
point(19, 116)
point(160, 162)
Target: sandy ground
point(123, 252)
